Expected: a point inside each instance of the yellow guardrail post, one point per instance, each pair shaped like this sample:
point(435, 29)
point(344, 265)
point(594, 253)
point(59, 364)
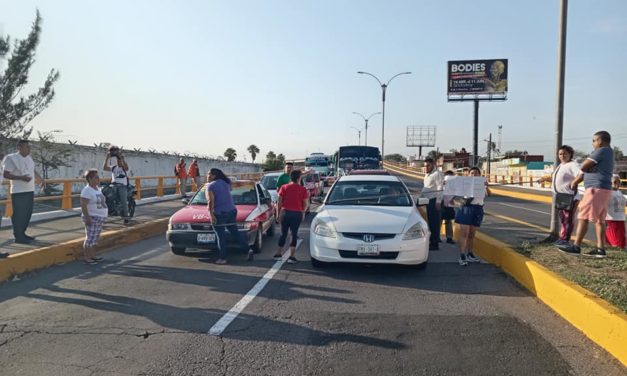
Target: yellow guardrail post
point(8, 211)
point(160, 186)
point(66, 202)
point(138, 188)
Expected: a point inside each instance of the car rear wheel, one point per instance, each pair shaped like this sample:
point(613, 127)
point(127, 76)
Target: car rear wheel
point(317, 263)
point(256, 247)
point(178, 250)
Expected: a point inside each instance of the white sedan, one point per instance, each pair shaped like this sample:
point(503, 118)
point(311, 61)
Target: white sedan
point(369, 219)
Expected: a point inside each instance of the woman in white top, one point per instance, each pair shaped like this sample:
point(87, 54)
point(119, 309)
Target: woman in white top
point(566, 172)
point(95, 211)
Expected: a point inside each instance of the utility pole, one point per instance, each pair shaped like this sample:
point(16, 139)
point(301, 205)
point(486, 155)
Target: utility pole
point(559, 126)
point(489, 153)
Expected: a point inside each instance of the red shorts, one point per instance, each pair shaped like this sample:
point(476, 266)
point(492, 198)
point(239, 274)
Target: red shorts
point(593, 205)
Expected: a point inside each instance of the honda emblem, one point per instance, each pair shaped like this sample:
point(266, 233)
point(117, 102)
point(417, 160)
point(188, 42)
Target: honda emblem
point(368, 238)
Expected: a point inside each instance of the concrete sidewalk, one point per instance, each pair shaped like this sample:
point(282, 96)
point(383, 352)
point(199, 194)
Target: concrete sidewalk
point(55, 231)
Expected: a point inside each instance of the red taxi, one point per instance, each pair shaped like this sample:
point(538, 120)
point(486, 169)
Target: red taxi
point(311, 180)
point(191, 226)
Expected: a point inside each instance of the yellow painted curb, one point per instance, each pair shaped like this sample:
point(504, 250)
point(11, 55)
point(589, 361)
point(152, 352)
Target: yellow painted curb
point(71, 250)
point(600, 321)
point(522, 195)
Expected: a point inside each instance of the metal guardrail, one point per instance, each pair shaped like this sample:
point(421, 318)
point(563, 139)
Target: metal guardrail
point(163, 184)
point(526, 181)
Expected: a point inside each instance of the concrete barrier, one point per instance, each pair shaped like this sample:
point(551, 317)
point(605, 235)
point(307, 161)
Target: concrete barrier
point(71, 250)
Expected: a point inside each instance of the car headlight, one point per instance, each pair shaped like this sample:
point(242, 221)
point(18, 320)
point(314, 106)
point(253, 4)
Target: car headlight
point(244, 225)
point(180, 226)
point(415, 232)
point(325, 230)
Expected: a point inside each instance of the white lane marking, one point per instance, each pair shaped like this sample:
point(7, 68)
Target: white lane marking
point(228, 317)
point(522, 207)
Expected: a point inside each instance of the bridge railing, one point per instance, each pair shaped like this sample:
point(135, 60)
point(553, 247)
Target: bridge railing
point(67, 195)
point(511, 180)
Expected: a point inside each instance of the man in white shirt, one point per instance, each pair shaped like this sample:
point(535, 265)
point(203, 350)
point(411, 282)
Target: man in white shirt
point(19, 168)
point(433, 187)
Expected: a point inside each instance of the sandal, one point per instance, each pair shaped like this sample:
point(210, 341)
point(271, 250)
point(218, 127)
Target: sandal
point(96, 258)
point(90, 262)
point(220, 261)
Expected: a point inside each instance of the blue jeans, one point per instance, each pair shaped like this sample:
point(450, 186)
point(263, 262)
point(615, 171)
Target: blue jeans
point(226, 221)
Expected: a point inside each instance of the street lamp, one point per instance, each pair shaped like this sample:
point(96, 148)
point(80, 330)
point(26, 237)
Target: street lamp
point(358, 134)
point(383, 88)
point(366, 126)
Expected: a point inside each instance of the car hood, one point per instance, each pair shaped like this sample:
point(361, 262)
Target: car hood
point(376, 219)
point(199, 213)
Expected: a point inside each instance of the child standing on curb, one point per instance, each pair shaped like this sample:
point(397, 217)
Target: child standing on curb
point(469, 218)
point(615, 219)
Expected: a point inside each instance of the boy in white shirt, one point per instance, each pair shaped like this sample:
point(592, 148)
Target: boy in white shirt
point(615, 219)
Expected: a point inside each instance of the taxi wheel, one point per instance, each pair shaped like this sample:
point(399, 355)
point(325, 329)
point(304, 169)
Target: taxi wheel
point(271, 230)
point(178, 250)
point(256, 247)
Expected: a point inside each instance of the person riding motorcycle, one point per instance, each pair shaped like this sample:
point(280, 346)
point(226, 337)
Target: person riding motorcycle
point(120, 181)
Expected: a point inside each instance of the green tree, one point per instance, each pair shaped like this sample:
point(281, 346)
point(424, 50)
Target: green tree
point(434, 154)
point(618, 154)
point(230, 154)
point(396, 158)
point(51, 155)
point(253, 150)
point(274, 162)
point(16, 111)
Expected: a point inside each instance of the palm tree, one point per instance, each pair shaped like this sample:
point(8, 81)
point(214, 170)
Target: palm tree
point(253, 150)
point(230, 154)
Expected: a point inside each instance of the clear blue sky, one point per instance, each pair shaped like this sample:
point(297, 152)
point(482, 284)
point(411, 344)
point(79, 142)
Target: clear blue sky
point(202, 76)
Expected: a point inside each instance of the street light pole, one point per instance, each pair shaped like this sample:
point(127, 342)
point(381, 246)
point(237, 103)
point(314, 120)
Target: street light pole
point(383, 89)
point(559, 126)
point(358, 134)
point(366, 125)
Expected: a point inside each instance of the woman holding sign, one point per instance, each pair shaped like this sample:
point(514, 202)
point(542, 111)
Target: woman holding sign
point(469, 218)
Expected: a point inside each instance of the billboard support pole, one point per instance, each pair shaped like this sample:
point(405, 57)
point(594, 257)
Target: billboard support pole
point(559, 126)
point(475, 140)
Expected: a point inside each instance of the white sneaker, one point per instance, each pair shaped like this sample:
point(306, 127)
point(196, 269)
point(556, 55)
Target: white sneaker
point(462, 259)
point(472, 258)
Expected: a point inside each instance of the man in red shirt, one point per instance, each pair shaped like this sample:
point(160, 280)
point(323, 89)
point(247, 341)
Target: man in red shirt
point(292, 205)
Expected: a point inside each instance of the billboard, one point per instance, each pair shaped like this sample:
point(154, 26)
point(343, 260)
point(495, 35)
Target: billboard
point(477, 77)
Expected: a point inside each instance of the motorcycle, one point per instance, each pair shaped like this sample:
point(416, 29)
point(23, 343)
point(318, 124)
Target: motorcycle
point(110, 191)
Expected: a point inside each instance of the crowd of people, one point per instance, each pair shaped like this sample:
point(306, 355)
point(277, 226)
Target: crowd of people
point(602, 203)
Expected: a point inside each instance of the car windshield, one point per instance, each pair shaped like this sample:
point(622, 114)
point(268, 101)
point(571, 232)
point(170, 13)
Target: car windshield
point(376, 193)
point(243, 193)
point(269, 181)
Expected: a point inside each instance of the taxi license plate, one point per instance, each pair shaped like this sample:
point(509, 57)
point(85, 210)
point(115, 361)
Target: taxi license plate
point(368, 250)
point(206, 238)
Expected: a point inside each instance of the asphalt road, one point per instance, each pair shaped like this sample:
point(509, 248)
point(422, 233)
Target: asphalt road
point(145, 311)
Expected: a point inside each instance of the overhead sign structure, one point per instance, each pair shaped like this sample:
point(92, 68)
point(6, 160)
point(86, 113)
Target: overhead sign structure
point(477, 79)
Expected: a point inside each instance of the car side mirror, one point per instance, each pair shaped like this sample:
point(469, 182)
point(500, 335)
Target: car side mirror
point(185, 201)
point(421, 201)
point(317, 199)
